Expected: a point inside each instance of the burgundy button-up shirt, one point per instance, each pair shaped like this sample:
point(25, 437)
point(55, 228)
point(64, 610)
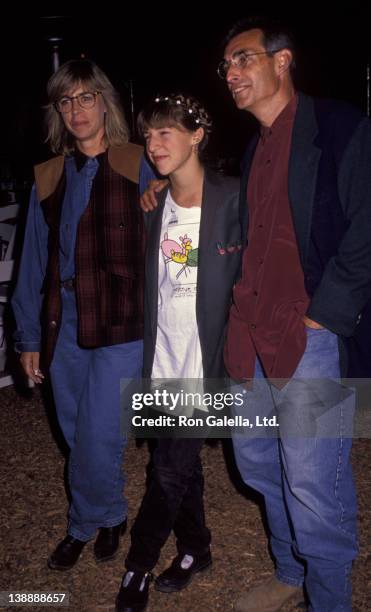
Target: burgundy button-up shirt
point(270, 299)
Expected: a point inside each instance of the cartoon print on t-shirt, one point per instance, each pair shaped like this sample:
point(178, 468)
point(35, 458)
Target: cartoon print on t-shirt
point(182, 253)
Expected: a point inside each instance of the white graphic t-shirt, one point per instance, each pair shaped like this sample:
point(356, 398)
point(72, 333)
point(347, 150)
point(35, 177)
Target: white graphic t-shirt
point(178, 350)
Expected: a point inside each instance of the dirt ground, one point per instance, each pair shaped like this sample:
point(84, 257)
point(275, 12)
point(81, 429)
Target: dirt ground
point(33, 519)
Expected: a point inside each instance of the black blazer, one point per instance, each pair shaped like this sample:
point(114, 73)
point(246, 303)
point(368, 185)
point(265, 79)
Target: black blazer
point(219, 230)
point(330, 198)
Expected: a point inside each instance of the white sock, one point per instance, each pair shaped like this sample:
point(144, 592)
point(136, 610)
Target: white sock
point(186, 562)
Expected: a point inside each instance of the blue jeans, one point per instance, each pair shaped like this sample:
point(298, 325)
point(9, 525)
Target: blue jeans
point(304, 473)
point(86, 387)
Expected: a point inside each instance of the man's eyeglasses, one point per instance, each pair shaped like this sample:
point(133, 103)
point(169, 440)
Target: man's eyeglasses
point(240, 59)
point(85, 100)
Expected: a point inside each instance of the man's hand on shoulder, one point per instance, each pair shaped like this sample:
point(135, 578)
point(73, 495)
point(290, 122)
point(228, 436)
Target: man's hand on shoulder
point(148, 200)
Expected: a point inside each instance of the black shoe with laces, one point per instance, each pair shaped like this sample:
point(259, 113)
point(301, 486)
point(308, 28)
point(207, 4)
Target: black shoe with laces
point(133, 593)
point(181, 571)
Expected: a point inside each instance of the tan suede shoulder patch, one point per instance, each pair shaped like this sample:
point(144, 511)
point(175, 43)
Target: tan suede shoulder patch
point(125, 160)
point(47, 176)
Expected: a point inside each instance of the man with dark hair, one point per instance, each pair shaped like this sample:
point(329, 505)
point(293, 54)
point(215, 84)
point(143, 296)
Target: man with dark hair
point(275, 35)
point(306, 217)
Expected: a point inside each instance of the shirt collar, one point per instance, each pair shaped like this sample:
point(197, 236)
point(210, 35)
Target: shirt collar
point(286, 116)
point(81, 159)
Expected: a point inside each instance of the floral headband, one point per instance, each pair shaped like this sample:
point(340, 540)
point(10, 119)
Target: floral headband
point(191, 106)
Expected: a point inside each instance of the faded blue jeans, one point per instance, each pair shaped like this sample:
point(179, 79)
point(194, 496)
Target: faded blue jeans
point(86, 387)
point(304, 473)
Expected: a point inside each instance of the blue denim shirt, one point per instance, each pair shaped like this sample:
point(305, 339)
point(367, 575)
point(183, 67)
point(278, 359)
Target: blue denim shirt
point(27, 297)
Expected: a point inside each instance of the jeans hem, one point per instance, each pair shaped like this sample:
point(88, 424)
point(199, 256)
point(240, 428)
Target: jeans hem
point(75, 533)
point(114, 522)
point(79, 535)
point(295, 582)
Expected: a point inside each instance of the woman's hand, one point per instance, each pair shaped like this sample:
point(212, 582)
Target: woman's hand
point(30, 363)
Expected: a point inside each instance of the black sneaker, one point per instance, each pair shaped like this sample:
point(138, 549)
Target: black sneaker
point(181, 571)
point(133, 593)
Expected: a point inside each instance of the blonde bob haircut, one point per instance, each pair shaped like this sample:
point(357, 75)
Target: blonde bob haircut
point(91, 77)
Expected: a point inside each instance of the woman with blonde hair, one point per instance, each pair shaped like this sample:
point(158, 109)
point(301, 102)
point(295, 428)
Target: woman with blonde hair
point(78, 301)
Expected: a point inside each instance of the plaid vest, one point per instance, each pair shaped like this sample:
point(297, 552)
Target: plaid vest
point(109, 264)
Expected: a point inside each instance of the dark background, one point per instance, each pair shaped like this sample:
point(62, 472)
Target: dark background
point(176, 48)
